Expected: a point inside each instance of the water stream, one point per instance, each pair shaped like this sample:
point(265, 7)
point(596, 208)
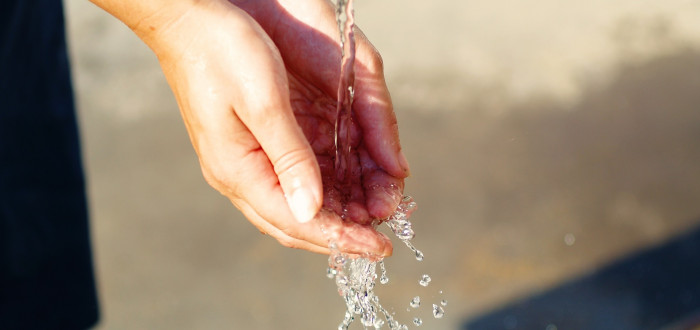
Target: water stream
point(346, 22)
point(356, 278)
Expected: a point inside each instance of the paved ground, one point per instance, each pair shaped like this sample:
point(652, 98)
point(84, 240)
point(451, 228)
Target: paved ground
point(546, 141)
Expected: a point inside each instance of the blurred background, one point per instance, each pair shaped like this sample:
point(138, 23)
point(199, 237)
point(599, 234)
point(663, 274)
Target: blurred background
point(555, 152)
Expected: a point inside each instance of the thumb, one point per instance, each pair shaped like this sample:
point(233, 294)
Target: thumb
point(264, 107)
point(274, 126)
point(297, 170)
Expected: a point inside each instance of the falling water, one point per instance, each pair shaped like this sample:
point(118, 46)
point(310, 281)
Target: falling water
point(346, 23)
point(355, 278)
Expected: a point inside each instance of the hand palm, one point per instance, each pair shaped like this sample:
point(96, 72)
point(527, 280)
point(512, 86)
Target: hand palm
point(312, 59)
point(238, 88)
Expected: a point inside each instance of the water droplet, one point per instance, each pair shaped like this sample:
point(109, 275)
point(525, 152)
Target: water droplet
point(346, 321)
point(425, 280)
point(569, 239)
point(410, 207)
point(419, 255)
point(417, 321)
point(402, 228)
point(443, 302)
point(407, 205)
point(438, 312)
point(384, 279)
point(358, 309)
point(339, 260)
point(368, 319)
point(341, 281)
point(379, 323)
point(403, 327)
point(415, 302)
point(330, 272)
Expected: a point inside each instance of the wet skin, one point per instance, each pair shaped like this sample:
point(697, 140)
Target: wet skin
point(372, 185)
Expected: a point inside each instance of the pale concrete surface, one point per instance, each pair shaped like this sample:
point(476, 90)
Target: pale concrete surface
point(524, 122)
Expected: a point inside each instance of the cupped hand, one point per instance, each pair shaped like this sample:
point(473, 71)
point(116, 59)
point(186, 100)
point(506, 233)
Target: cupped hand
point(256, 84)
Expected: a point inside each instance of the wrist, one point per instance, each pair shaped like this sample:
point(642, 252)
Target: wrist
point(150, 18)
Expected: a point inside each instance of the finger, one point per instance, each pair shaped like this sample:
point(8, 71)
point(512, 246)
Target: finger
point(327, 225)
point(355, 209)
point(288, 241)
point(250, 179)
point(258, 189)
point(375, 112)
point(383, 191)
point(268, 229)
point(263, 106)
point(262, 197)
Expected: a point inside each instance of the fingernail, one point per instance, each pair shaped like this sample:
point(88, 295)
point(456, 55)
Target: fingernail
point(303, 205)
point(404, 163)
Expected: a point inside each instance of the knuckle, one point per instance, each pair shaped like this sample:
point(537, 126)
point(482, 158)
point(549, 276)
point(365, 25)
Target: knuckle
point(287, 241)
point(220, 181)
point(286, 162)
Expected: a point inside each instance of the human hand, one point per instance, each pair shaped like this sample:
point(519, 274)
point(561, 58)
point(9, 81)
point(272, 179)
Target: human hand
point(305, 32)
point(234, 94)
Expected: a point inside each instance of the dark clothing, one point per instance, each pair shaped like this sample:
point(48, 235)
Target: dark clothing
point(46, 279)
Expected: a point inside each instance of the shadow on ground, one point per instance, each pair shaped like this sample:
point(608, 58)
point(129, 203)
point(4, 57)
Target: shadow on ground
point(635, 137)
point(648, 290)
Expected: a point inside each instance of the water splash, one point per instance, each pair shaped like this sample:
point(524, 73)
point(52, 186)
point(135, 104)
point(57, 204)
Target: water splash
point(383, 279)
point(343, 121)
point(424, 280)
point(417, 321)
point(419, 255)
point(355, 278)
point(402, 227)
point(415, 302)
point(438, 312)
